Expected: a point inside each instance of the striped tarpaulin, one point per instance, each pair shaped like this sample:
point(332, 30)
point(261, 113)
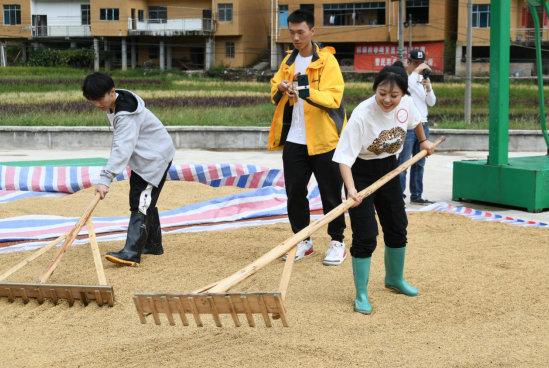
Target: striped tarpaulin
point(170, 221)
point(479, 215)
point(259, 206)
point(70, 179)
point(259, 203)
point(14, 195)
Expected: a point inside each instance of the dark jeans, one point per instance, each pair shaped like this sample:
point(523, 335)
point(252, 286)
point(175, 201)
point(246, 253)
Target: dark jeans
point(386, 201)
point(298, 168)
point(411, 148)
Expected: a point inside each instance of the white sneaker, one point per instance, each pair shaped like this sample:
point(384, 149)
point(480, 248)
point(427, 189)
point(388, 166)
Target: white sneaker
point(336, 254)
point(304, 248)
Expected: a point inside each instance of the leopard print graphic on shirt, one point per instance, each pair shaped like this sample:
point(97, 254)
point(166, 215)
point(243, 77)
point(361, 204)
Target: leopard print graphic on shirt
point(388, 141)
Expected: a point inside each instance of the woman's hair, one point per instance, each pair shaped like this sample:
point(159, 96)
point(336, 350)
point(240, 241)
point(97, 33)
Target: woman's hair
point(393, 75)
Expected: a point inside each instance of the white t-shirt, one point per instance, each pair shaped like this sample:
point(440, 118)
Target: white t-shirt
point(421, 98)
point(372, 133)
point(297, 129)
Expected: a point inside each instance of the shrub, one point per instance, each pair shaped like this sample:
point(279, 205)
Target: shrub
point(44, 57)
point(76, 58)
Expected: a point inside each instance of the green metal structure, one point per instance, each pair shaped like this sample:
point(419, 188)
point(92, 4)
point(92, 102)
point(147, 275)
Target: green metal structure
point(522, 181)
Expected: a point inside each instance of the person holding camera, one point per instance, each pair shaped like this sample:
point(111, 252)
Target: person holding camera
point(309, 116)
point(421, 90)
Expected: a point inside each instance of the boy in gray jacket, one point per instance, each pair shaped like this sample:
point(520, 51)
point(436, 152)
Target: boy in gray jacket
point(141, 142)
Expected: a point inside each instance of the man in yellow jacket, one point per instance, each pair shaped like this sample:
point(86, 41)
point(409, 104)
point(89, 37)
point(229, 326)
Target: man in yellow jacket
point(308, 119)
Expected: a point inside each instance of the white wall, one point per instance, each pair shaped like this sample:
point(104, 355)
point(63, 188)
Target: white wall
point(171, 24)
point(60, 12)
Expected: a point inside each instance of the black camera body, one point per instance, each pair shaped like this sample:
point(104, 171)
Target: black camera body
point(426, 73)
point(303, 86)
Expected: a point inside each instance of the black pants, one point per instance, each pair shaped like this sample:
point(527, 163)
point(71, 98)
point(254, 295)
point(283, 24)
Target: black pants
point(298, 168)
point(138, 189)
point(388, 204)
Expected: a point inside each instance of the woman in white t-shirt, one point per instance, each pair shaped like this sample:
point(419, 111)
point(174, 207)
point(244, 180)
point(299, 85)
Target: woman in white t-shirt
point(367, 150)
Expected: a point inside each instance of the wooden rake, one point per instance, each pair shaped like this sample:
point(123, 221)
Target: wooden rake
point(102, 294)
point(214, 299)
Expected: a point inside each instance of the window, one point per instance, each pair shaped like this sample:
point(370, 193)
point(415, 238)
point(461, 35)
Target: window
point(141, 15)
point(12, 15)
point(283, 16)
point(85, 11)
point(158, 14)
point(229, 49)
point(39, 25)
point(480, 54)
point(418, 10)
point(308, 7)
point(108, 14)
point(481, 16)
point(354, 14)
point(225, 12)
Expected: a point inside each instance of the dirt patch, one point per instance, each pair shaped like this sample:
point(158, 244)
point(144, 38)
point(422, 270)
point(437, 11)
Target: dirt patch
point(482, 303)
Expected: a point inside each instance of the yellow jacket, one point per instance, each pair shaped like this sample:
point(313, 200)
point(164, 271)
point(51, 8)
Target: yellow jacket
point(324, 111)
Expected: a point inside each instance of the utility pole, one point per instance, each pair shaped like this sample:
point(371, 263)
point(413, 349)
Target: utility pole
point(107, 54)
point(124, 55)
point(276, 18)
point(468, 64)
point(401, 17)
point(3, 57)
point(273, 40)
point(96, 54)
point(410, 26)
point(162, 55)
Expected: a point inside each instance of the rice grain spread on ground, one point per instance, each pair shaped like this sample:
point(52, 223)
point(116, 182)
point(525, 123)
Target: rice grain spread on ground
point(482, 303)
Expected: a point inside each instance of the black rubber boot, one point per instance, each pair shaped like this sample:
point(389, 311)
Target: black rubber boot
point(135, 241)
point(154, 239)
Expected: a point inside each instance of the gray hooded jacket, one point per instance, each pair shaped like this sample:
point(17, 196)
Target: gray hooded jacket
point(140, 140)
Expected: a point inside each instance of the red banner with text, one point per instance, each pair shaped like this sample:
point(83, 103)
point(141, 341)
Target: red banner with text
point(372, 57)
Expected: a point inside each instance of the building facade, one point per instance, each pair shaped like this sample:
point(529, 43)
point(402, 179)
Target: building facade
point(365, 33)
point(522, 38)
point(187, 34)
point(195, 34)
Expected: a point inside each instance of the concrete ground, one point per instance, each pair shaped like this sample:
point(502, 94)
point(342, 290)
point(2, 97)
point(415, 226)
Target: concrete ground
point(437, 180)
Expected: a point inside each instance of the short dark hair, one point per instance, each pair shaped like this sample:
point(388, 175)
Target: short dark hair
point(96, 86)
point(393, 74)
point(302, 15)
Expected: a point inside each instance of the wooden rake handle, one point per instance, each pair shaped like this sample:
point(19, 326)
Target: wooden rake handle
point(71, 236)
point(284, 247)
point(32, 257)
point(96, 254)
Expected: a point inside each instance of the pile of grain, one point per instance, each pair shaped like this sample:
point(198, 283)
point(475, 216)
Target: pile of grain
point(483, 300)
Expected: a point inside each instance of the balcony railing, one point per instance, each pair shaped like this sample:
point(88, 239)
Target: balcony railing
point(527, 35)
point(170, 27)
point(61, 31)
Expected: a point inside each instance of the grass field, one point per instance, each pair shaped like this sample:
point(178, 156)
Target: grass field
point(52, 97)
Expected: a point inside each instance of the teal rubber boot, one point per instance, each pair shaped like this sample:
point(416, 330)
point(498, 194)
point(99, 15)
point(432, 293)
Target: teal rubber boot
point(394, 271)
point(361, 272)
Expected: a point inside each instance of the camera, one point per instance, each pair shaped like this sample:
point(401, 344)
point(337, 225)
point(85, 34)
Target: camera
point(303, 86)
point(426, 73)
